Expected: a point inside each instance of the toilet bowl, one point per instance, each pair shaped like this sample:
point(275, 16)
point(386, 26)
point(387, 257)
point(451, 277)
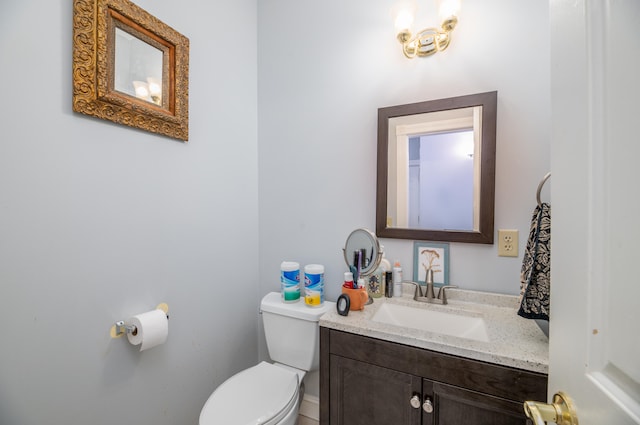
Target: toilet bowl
point(270, 393)
point(264, 394)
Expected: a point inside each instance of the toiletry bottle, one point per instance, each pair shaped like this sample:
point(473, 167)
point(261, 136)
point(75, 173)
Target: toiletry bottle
point(397, 279)
point(384, 263)
point(314, 285)
point(386, 271)
point(377, 282)
point(348, 280)
point(388, 279)
point(290, 281)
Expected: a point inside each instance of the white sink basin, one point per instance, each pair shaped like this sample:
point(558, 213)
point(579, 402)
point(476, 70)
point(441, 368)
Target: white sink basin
point(432, 321)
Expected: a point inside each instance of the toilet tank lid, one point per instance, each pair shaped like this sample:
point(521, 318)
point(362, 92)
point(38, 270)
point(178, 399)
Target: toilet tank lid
point(272, 303)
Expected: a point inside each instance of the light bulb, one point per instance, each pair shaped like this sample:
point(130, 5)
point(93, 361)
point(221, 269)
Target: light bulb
point(155, 89)
point(142, 89)
point(448, 8)
point(403, 15)
point(404, 20)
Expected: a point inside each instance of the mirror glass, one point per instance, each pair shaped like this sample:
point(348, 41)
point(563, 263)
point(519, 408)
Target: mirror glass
point(138, 68)
point(362, 247)
point(436, 169)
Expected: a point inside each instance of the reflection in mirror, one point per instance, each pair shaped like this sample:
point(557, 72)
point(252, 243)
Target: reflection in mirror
point(362, 247)
point(436, 168)
point(429, 154)
point(138, 68)
point(434, 159)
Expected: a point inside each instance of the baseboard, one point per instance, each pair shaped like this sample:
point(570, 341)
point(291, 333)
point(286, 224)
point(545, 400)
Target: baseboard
point(310, 407)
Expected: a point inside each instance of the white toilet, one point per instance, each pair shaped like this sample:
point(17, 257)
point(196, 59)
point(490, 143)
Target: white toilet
point(270, 394)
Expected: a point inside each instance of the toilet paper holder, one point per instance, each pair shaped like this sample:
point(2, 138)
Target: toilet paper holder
point(120, 327)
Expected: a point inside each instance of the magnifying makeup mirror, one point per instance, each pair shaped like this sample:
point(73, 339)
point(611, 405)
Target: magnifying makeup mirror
point(362, 252)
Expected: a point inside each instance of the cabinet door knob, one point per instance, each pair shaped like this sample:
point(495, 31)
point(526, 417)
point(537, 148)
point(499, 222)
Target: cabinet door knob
point(427, 406)
point(415, 401)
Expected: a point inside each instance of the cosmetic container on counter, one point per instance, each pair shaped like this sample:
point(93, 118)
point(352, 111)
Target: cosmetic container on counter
point(397, 279)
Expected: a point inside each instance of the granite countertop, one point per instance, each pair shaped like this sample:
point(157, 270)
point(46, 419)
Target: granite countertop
point(513, 340)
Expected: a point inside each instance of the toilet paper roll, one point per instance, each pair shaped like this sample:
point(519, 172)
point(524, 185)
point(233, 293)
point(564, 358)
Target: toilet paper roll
point(152, 328)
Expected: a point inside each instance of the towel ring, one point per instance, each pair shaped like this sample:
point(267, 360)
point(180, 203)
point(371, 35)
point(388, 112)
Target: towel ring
point(542, 182)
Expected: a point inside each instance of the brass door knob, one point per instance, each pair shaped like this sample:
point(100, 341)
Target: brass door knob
point(561, 411)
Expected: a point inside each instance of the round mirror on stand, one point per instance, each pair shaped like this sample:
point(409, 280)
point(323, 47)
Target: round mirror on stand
point(362, 252)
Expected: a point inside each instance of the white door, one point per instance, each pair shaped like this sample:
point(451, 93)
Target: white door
point(595, 198)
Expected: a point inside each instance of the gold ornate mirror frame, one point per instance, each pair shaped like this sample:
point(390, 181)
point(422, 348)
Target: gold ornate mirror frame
point(94, 57)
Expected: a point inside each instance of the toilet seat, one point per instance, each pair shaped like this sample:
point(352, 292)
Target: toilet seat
point(260, 395)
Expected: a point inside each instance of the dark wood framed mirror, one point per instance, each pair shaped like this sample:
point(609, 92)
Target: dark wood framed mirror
point(130, 68)
point(436, 170)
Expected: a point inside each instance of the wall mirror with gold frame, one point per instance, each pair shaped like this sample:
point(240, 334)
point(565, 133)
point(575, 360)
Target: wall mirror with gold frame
point(436, 169)
point(130, 68)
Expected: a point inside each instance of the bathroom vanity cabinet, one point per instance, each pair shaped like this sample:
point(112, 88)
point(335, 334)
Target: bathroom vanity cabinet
point(369, 381)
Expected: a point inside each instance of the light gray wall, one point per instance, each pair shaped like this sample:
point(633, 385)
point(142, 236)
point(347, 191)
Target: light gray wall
point(324, 68)
point(99, 222)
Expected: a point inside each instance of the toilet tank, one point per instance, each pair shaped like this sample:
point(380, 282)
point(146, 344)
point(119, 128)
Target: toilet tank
point(292, 331)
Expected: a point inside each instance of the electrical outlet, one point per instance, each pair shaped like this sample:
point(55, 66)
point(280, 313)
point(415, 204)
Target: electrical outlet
point(507, 243)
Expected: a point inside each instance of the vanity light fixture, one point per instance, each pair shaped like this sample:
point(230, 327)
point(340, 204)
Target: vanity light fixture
point(428, 41)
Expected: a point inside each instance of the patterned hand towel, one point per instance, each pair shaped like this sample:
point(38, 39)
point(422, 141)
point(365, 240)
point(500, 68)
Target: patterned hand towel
point(535, 276)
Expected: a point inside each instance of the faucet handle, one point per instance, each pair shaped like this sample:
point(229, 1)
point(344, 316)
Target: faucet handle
point(442, 295)
point(418, 292)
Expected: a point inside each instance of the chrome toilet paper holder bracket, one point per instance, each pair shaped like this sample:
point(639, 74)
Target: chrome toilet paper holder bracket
point(122, 328)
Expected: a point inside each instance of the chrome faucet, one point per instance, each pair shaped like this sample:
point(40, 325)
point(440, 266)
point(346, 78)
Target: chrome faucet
point(428, 295)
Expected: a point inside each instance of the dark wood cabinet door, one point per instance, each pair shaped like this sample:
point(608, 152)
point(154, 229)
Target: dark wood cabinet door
point(366, 381)
point(458, 406)
point(365, 394)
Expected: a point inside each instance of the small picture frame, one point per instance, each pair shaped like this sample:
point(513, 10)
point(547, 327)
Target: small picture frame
point(431, 255)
